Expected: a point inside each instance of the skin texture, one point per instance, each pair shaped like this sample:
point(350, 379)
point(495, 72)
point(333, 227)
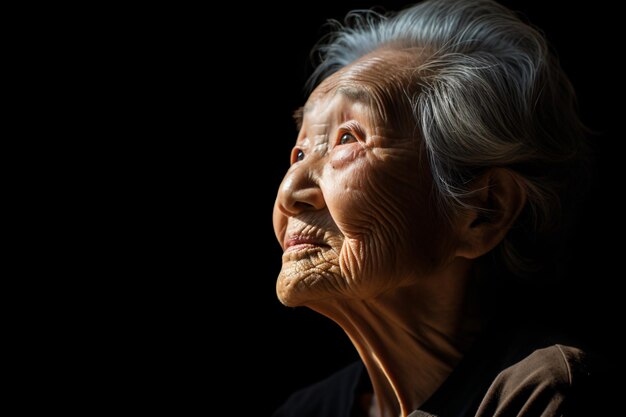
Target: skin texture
point(364, 243)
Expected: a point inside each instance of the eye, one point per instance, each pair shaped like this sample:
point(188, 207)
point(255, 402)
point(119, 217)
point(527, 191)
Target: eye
point(297, 156)
point(346, 138)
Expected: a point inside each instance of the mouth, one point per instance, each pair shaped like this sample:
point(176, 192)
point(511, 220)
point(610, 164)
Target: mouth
point(299, 242)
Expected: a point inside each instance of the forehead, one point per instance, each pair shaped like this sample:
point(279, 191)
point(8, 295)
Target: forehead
point(377, 79)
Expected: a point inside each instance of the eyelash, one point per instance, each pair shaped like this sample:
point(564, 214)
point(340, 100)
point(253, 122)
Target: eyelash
point(351, 130)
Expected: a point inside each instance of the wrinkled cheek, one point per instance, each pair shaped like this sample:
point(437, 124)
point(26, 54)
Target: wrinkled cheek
point(350, 210)
point(345, 188)
point(362, 270)
point(356, 218)
point(350, 259)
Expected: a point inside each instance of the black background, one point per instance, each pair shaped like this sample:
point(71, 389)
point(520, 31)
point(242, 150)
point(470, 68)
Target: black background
point(212, 101)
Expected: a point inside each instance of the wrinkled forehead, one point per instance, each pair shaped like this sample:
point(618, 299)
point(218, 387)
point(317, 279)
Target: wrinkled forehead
point(380, 80)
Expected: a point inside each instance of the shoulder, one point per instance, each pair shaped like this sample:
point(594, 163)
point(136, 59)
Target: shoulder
point(332, 397)
point(548, 382)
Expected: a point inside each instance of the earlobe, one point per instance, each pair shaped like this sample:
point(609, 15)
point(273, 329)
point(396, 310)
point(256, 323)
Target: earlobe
point(498, 199)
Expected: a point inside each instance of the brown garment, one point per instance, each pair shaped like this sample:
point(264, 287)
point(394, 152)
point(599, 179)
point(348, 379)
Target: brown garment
point(538, 385)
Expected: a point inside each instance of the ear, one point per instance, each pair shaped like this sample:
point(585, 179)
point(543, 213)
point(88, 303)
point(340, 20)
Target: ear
point(498, 198)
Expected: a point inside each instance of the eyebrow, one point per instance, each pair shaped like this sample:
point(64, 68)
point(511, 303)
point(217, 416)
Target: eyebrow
point(356, 94)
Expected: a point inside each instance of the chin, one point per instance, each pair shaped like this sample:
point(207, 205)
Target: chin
point(297, 287)
point(309, 275)
point(291, 296)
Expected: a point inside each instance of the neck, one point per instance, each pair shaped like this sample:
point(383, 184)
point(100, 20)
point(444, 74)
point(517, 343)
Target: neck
point(411, 338)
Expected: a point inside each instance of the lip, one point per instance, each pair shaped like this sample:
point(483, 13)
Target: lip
point(298, 242)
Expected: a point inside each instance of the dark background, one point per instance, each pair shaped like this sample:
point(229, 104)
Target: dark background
point(218, 93)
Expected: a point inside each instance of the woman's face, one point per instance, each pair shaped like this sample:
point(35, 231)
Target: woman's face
point(355, 213)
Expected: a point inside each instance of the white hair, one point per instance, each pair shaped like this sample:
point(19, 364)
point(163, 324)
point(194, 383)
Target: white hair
point(489, 94)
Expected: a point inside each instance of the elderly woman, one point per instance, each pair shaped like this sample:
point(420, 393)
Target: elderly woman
point(438, 161)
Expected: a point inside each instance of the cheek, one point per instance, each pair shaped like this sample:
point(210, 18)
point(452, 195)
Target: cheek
point(383, 208)
point(364, 192)
point(346, 191)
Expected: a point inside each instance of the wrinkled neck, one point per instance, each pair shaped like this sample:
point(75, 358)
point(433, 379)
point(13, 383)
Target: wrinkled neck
point(410, 339)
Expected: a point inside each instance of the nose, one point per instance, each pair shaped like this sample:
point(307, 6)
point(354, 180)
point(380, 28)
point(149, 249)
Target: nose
point(300, 192)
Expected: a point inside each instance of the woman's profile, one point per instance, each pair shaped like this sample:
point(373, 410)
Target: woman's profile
point(438, 169)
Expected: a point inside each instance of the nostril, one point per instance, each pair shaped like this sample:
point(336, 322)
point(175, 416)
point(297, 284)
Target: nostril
point(302, 206)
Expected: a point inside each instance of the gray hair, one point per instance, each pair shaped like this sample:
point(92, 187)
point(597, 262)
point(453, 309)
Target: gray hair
point(490, 94)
